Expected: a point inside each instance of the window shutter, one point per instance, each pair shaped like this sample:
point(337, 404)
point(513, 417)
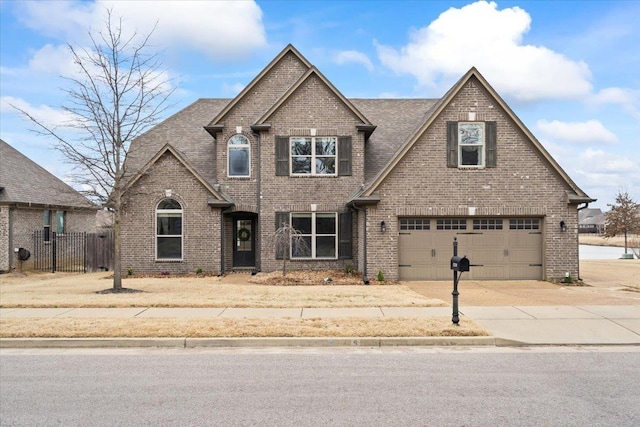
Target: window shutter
point(344, 156)
point(452, 144)
point(282, 250)
point(491, 144)
point(282, 156)
point(344, 236)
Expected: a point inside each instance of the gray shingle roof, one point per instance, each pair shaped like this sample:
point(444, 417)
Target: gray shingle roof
point(395, 120)
point(25, 182)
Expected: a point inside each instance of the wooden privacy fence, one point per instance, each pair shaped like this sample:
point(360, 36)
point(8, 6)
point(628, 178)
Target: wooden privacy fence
point(72, 252)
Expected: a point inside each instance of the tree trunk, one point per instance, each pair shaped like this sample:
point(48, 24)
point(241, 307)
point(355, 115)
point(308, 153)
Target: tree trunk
point(117, 242)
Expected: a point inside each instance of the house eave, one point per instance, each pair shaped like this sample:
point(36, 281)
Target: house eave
point(367, 129)
point(214, 129)
point(359, 202)
point(264, 127)
point(575, 199)
point(223, 204)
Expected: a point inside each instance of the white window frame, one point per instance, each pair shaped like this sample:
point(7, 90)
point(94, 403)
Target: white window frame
point(245, 146)
point(181, 235)
point(481, 143)
point(313, 156)
point(314, 236)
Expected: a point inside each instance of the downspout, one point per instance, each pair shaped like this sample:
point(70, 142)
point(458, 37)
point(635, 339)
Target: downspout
point(258, 247)
point(365, 279)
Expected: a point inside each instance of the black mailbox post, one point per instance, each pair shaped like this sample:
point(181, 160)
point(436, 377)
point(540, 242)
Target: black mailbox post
point(458, 265)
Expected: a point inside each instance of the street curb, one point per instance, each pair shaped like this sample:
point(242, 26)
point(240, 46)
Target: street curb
point(246, 342)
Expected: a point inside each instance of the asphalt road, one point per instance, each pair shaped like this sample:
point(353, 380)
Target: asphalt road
point(328, 387)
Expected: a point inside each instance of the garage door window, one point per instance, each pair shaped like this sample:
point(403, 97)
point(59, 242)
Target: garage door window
point(487, 224)
point(414, 224)
point(451, 224)
point(524, 224)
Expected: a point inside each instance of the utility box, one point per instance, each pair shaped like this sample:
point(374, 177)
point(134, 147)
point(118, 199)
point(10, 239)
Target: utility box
point(460, 263)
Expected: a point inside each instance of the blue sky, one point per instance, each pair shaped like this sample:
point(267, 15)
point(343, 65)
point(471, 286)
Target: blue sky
point(570, 70)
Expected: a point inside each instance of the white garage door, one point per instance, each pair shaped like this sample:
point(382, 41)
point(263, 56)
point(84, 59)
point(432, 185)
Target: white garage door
point(501, 248)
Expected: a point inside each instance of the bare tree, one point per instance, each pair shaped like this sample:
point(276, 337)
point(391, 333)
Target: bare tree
point(118, 93)
point(287, 240)
point(623, 218)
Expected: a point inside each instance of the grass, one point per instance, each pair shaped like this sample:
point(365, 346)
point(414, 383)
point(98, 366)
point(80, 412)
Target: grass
point(216, 327)
point(79, 290)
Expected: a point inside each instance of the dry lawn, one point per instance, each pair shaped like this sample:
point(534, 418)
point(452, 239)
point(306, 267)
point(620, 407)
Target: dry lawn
point(79, 290)
point(633, 241)
point(216, 327)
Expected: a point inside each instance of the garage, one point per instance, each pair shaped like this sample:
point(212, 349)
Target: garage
point(503, 248)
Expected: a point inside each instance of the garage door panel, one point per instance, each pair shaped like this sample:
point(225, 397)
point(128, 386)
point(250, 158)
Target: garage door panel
point(505, 249)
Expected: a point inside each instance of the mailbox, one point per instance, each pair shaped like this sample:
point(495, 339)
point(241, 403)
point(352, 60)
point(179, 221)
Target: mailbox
point(459, 263)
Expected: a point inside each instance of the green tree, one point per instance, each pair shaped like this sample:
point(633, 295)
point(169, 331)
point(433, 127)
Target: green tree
point(623, 218)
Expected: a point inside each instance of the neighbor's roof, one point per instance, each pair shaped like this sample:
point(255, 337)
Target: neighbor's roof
point(25, 182)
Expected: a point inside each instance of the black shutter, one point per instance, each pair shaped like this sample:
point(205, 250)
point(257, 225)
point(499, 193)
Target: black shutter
point(344, 156)
point(282, 156)
point(282, 250)
point(452, 144)
point(345, 239)
point(491, 143)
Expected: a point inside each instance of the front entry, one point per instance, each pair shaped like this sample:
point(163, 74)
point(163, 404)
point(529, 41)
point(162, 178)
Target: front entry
point(244, 242)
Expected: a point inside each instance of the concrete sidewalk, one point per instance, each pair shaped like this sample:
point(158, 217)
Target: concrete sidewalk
point(509, 325)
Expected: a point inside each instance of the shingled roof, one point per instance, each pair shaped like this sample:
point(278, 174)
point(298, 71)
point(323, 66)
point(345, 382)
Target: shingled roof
point(22, 181)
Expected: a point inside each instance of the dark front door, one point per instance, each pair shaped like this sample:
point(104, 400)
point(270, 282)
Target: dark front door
point(244, 242)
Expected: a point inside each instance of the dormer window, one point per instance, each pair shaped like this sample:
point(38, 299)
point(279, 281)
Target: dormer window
point(239, 156)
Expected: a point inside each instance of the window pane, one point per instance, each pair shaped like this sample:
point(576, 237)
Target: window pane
point(325, 224)
point(301, 222)
point(325, 247)
point(239, 161)
point(300, 146)
point(60, 222)
point(169, 247)
point(302, 251)
point(325, 146)
point(169, 223)
point(471, 155)
point(326, 165)
point(238, 140)
point(169, 204)
point(470, 133)
point(301, 165)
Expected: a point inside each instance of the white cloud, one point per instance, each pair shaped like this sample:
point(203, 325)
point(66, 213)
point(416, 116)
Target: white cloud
point(232, 89)
point(480, 35)
point(44, 114)
point(602, 162)
point(53, 59)
point(218, 29)
point(353, 56)
point(628, 99)
point(589, 132)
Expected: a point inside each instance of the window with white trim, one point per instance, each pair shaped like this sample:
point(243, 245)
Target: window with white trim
point(238, 156)
point(169, 230)
point(319, 231)
point(471, 139)
point(313, 155)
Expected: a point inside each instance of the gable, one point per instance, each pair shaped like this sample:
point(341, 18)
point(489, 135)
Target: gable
point(265, 89)
point(472, 94)
point(169, 155)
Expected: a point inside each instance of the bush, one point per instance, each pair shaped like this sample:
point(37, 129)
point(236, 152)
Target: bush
point(380, 276)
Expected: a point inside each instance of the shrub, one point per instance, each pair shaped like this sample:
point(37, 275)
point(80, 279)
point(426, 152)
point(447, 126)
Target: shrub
point(380, 276)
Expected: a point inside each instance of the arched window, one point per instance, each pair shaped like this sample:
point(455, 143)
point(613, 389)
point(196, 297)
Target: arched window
point(169, 230)
point(238, 155)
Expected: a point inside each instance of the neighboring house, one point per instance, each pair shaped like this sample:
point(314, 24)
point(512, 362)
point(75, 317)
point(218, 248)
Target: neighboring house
point(590, 221)
point(382, 185)
point(33, 199)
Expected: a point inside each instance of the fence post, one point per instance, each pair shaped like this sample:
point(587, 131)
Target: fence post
point(54, 250)
point(84, 256)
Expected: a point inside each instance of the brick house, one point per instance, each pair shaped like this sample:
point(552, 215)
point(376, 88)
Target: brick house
point(33, 199)
point(382, 185)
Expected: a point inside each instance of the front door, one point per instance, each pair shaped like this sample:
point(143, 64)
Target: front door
point(244, 242)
